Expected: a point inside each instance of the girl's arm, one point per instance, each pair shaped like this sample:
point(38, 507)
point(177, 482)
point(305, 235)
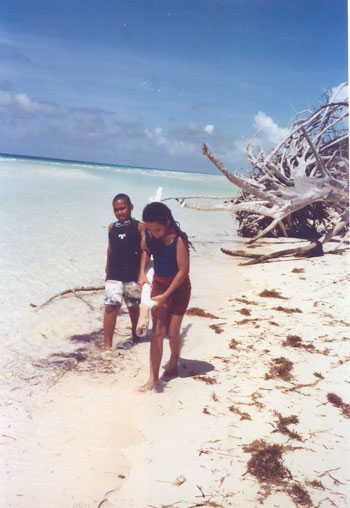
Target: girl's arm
point(183, 263)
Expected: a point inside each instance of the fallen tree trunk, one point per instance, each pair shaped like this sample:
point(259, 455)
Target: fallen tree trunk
point(312, 250)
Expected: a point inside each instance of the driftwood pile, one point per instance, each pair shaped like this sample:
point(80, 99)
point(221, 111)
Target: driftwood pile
point(300, 188)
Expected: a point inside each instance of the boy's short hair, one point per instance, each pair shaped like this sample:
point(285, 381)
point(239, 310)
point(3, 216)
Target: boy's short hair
point(124, 197)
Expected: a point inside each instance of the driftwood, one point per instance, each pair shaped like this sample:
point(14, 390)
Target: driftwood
point(312, 250)
point(69, 291)
point(300, 188)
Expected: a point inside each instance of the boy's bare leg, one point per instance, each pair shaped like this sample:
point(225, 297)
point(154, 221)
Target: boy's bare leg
point(134, 313)
point(109, 320)
point(175, 345)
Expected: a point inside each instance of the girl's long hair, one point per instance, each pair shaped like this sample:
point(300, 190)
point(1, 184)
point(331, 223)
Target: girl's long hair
point(159, 212)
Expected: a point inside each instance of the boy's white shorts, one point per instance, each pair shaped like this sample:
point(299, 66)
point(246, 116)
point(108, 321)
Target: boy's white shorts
point(117, 291)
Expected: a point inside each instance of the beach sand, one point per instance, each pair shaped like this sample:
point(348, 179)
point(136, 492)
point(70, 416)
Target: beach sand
point(259, 415)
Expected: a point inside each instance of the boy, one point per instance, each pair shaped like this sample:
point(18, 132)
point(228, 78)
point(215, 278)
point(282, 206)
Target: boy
point(122, 268)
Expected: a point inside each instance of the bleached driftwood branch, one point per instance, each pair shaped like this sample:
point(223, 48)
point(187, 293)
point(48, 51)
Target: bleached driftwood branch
point(301, 186)
point(73, 291)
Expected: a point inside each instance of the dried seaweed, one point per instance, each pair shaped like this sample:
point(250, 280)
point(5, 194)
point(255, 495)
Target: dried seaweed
point(197, 311)
point(233, 344)
point(266, 462)
point(282, 425)
point(272, 293)
point(217, 327)
point(247, 302)
point(280, 368)
point(299, 495)
point(244, 416)
point(245, 321)
point(285, 309)
point(297, 342)
point(207, 379)
point(245, 312)
point(298, 270)
point(338, 402)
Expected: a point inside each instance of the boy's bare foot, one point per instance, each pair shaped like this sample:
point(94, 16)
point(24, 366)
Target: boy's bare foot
point(106, 348)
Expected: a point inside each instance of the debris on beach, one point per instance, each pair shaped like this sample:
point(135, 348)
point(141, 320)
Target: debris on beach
point(266, 465)
point(217, 327)
point(197, 311)
point(283, 423)
point(297, 342)
point(272, 293)
point(287, 310)
point(237, 411)
point(338, 402)
point(245, 312)
point(72, 291)
point(280, 368)
point(207, 379)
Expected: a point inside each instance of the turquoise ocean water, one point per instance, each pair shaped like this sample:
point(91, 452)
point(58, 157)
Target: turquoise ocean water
point(54, 216)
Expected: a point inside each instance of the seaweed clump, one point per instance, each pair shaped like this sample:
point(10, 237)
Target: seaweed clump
point(197, 311)
point(338, 402)
point(217, 327)
point(296, 341)
point(207, 379)
point(299, 495)
point(280, 368)
point(283, 423)
point(287, 310)
point(266, 462)
point(272, 293)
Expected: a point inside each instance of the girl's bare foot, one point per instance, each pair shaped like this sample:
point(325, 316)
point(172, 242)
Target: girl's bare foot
point(150, 385)
point(173, 372)
point(172, 369)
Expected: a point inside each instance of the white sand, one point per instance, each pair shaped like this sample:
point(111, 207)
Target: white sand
point(79, 435)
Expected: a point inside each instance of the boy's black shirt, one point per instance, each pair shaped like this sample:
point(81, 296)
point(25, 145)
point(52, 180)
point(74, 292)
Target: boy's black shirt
point(125, 251)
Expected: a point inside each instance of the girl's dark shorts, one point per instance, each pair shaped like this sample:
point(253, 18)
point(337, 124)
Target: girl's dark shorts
point(178, 301)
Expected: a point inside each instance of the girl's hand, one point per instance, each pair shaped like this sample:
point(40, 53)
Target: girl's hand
point(142, 280)
point(160, 300)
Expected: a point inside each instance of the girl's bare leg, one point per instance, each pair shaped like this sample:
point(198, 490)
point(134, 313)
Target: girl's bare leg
point(175, 344)
point(109, 320)
point(156, 353)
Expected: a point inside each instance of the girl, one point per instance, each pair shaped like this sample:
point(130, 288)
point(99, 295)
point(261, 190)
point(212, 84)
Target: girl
point(171, 287)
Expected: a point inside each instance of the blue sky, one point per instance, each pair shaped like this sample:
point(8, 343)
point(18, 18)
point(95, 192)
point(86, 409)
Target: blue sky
point(145, 82)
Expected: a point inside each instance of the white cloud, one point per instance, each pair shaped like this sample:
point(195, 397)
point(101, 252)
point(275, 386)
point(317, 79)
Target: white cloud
point(20, 104)
point(268, 128)
point(208, 128)
point(172, 146)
